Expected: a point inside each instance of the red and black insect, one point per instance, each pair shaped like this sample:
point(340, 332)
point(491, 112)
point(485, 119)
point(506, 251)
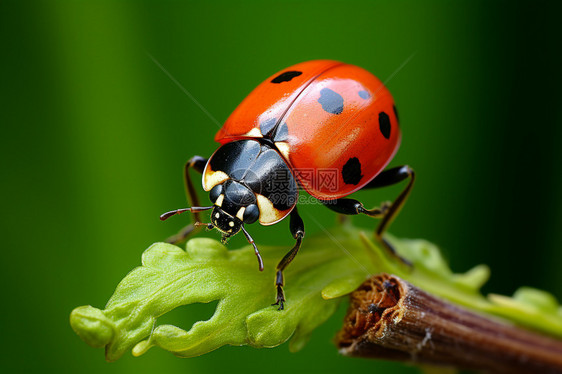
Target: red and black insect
point(314, 116)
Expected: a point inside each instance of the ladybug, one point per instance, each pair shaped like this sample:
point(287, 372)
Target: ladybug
point(324, 126)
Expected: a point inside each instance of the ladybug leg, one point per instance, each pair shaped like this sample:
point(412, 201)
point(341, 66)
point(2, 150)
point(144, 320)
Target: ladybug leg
point(387, 178)
point(387, 211)
point(296, 226)
point(198, 164)
point(353, 207)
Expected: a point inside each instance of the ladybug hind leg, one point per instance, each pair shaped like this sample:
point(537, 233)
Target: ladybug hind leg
point(387, 211)
point(198, 164)
point(296, 226)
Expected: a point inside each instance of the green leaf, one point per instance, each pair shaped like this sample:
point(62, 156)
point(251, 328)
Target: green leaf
point(328, 267)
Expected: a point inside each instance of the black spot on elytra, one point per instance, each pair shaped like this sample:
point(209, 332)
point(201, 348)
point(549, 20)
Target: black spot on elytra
point(396, 113)
point(267, 126)
point(364, 94)
point(331, 101)
point(286, 76)
point(384, 124)
point(351, 171)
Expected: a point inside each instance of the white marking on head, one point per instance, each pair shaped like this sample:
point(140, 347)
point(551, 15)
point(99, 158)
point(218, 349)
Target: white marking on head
point(217, 215)
point(219, 200)
point(240, 214)
point(231, 224)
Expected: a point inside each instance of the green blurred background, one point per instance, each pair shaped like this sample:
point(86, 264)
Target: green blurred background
point(94, 137)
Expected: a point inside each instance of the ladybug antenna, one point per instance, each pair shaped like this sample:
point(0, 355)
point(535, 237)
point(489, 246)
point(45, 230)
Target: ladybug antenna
point(193, 209)
point(256, 250)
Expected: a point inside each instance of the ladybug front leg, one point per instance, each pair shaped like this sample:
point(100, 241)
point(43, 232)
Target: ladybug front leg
point(296, 226)
point(198, 164)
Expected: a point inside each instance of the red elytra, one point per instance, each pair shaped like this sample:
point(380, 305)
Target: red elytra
point(336, 114)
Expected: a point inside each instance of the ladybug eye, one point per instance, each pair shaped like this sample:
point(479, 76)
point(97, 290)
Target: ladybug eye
point(251, 213)
point(215, 192)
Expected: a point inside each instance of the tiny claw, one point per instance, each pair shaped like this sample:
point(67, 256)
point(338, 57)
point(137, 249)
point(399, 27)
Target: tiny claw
point(385, 206)
point(280, 298)
point(280, 303)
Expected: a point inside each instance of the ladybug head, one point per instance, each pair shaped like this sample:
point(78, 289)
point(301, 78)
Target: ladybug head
point(231, 209)
point(233, 205)
point(225, 223)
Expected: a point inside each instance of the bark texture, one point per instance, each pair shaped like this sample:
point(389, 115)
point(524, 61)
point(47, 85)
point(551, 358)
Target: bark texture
point(391, 319)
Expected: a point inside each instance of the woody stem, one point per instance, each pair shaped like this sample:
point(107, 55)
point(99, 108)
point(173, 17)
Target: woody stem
point(391, 319)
